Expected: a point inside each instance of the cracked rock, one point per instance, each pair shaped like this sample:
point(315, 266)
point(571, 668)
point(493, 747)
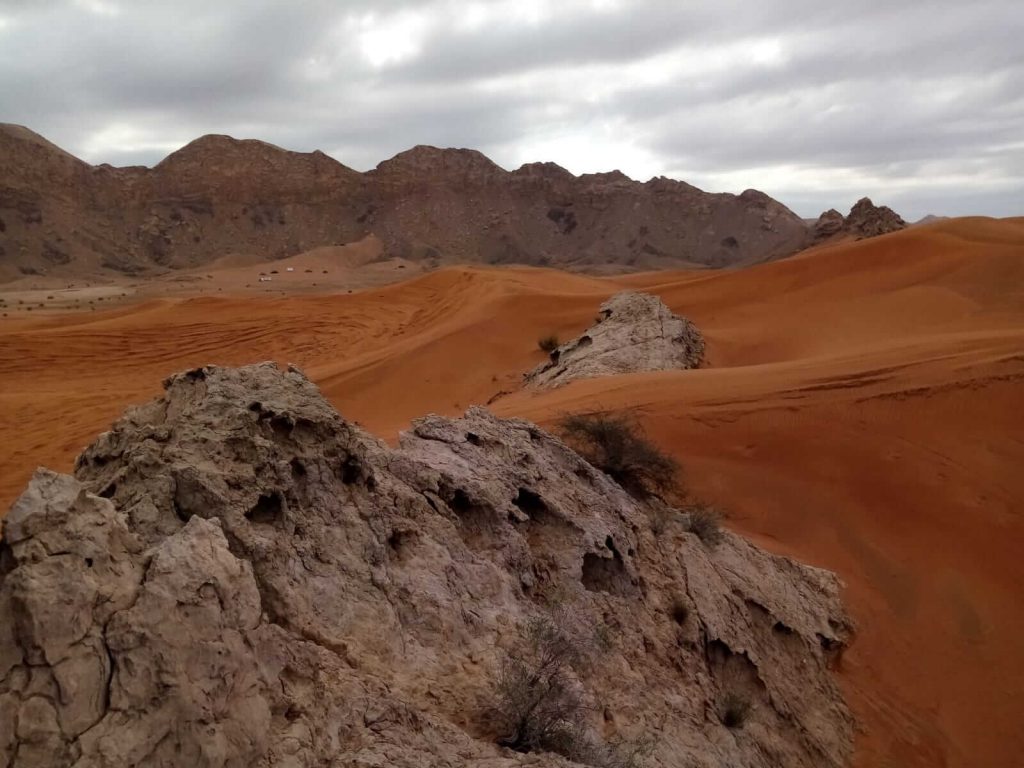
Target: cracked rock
point(237, 576)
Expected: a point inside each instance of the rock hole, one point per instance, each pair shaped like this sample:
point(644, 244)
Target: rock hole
point(88, 562)
point(267, 511)
point(351, 471)
point(109, 491)
point(781, 628)
point(281, 426)
point(298, 469)
point(605, 574)
point(473, 438)
point(255, 406)
point(680, 612)
point(531, 503)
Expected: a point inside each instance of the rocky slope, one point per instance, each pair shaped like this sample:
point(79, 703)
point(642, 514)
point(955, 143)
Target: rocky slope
point(634, 332)
point(864, 220)
point(218, 195)
point(237, 576)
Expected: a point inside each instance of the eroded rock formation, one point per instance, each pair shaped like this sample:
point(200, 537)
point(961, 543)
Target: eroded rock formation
point(634, 332)
point(865, 220)
point(236, 576)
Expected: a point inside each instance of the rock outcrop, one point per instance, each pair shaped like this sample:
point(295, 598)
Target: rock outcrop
point(218, 195)
point(634, 332)
point(236, 576)
point(865, 220)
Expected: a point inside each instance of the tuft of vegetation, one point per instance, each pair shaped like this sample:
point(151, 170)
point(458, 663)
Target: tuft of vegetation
point(548, 343)
point(539, 701)
point(617, 446)
point(734, 710)
point(706, 522)
point(540, 704)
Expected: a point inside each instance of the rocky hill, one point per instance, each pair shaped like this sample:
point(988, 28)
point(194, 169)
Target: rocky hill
point(864, 220)
point(237, 576)
point(218, 195)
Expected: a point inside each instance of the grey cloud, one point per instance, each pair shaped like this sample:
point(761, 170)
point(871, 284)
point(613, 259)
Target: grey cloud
point(911, 99)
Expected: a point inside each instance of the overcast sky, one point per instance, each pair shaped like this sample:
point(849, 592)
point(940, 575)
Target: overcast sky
point(919, 105)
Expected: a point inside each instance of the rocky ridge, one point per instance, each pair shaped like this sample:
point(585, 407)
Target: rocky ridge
point(634, 332)
point(218, 196)
point(237, 576)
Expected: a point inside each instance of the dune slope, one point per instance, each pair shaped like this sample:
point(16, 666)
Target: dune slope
point(860, 411)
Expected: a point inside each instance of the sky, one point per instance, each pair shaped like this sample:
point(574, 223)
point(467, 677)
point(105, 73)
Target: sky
point(917, 104)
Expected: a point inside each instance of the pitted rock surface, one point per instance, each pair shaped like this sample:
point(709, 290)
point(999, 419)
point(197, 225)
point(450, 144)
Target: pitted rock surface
point(634, 332)
point(237, 576)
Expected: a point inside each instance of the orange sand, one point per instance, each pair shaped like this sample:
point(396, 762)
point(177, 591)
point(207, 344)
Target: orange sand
point(863, 410)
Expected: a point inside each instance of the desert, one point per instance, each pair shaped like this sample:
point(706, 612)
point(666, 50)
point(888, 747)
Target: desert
point(511, 384)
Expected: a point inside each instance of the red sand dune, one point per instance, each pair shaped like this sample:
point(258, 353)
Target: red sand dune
point(862, 411)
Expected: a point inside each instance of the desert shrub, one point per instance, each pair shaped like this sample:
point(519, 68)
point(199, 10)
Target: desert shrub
point(706, 522)
point(548, 343)
point(617, 446)
point(734, 710)
point(539, 703)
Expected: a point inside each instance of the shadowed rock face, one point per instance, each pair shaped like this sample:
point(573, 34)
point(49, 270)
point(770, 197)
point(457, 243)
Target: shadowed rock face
point(634, 332)
point(236, 576)
point(865, 220)
point(219, 195)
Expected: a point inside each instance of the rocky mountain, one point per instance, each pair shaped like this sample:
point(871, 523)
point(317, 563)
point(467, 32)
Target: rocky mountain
point(218, 195)
point(864, 220)
point(237, 576)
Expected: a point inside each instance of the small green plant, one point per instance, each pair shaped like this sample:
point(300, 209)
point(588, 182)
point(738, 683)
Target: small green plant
point(617, 446)
point(706, 522)
point(734, 710)
point(548, 343)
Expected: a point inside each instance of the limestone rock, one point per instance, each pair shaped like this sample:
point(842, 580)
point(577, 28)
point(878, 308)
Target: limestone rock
point(634, 332)
point(237, 576)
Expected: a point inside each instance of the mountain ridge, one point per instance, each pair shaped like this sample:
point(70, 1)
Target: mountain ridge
point(218, 195)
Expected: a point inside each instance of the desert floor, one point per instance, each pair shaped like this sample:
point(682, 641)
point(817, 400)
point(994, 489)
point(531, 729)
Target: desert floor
point(862, 410)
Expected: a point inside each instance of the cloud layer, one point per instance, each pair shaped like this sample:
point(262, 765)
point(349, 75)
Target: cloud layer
point(917, 104)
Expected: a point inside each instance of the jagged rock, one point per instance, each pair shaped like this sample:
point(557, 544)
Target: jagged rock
point(831, 222)
point(634, 332)
point(865, 220)
point(869, 220)
point(236, 576)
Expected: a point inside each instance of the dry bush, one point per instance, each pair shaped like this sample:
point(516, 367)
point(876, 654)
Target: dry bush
point(548, 343)
point(706, 522)
point(540, 704)
point(617, 446)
